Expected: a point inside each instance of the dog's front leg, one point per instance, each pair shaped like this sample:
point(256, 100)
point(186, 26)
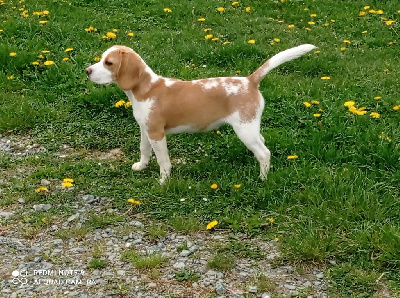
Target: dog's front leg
point(161, 151)
point(145, 151)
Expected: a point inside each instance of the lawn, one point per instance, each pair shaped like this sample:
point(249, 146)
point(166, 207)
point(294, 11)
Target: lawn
point(334, 113)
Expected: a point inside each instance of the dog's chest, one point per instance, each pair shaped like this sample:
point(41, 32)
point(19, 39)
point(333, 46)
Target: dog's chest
point(141, 109)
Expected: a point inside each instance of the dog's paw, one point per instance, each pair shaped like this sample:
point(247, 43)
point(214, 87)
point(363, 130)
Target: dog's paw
point(137, 166)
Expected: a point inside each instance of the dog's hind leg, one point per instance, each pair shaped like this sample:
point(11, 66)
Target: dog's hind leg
point(249, 134)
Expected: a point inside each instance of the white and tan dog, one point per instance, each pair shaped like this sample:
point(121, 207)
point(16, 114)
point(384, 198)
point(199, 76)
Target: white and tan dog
point(162, 106)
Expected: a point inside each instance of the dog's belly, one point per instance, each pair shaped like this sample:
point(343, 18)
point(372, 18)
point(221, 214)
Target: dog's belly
point(193, 128)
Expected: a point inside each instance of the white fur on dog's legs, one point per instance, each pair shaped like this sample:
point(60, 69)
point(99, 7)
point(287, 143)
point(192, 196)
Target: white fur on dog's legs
point(249, 134)
point(161, 151)
point(145, 152)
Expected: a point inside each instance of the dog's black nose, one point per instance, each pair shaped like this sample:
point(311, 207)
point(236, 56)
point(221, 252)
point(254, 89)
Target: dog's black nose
point(88, 71)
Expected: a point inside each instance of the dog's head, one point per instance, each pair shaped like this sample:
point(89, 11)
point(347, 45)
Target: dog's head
point(119, 64)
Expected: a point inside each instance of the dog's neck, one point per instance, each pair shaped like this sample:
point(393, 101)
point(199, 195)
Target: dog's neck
point(147, 78)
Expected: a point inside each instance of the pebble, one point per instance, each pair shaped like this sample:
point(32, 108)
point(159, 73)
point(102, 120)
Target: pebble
point(253, 289)
point(41, 207)
point(6, 214)
point(179, 265)
point(220, 289)
point(290, 287)
point(319, 275)
point(21, 200)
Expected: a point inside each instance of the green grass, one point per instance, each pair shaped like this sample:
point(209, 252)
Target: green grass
point(339, 200)
point(150, 261)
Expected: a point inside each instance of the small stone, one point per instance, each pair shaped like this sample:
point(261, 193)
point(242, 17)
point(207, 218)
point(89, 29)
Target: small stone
point(290, 287)
point(266, 295)
point(45, 182)
point(332, 262)
point(37, 259)
point(152, 285)
point(253, 289)
point(21, 200)
point(73, 217)
point(41, 207)
point(179, 265)
point(307, 284)
point(185, 253)
point(6, 214)
point(220, 289)
point(137, 224)
point(121, 272)
point(319, 275)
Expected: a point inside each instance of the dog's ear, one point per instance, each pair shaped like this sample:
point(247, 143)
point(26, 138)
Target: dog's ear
point(130, 68)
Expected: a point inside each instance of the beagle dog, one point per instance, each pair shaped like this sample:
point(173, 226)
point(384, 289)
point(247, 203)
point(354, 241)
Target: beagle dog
point(164, 106)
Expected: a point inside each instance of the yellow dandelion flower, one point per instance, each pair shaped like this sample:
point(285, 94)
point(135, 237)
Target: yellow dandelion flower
point(276, 239)
point(372, 11)
point(362, 13)
point(134, 202)
point(215, 39)
point(291, 26)
point(128, 104)
point(292, 157)
point(35, 63)
point(277, 40)
point(65, 59)
point(390, 43)
point(43, 22)
point(248, 9)
point(271, 219)
point(10, 77)
point(281, 21)
point(48, 62)
point(380, 11)
point(317, 52)
point(365, 31)
point(41, 189)
point(315, 102)
point(68, 180)
point(218, 132)
point(67, 184)
point(212, 225)
point(1, 30)
point(367, 7)
point(307, 104)
point(130, 34)
point(226, 42)
point(207, 29)
point(208, 36)
point(333, 20)
point(115, 30)
point(386, 70)
point(167, 9)
point(235, 3)
point(201, 19)
point(109, 35)
point(214, 186)
point(13, 54)
point(377, 97)
point(90, 29)
point(346, 41)
point(44, 220)
point(311, 23)
point(396, 108)
point(349, 103)
point(251, 41)
point(40, 56)
point(221, 9)
point(97, 59)
point(313, 15)
point(343, 49)
point(69, 49)
point(119, 103)
point(375, 115)
point(237, 185)
point(45, 12)
point(325, 78)
point(317, 115)
point(45, 51)
point(390, 22)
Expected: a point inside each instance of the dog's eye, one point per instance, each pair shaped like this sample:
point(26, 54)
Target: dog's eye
point(108, 63)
